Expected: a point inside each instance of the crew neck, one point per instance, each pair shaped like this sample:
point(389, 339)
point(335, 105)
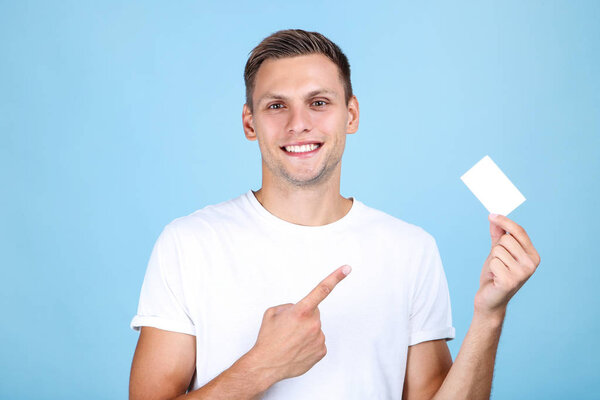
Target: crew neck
point(291, 227)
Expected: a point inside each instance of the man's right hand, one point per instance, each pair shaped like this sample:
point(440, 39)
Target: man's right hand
point(290, 340)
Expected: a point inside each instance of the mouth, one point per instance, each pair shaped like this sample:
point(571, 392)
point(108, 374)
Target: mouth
point(300, 149)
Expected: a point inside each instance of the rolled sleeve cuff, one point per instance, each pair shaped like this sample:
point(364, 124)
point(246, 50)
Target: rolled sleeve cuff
point(447, 333)
point(162, 323)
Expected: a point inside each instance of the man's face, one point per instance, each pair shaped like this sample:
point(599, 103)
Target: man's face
point(300, 119)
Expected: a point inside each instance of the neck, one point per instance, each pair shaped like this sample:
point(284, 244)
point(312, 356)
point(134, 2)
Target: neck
point(305, 205)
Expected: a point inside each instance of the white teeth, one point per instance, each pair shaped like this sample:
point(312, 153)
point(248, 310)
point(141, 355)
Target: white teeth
point(301, 149)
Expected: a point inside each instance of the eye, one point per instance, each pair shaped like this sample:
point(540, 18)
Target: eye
point(275, 106)
point(319, 103)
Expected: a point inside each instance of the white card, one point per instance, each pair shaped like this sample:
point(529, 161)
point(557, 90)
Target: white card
point(489, 184)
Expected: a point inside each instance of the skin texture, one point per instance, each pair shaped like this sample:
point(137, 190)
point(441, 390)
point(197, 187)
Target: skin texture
point(290, 340)
point(428, 364)
point(296, 108)
point(298, 100)
point(163, 364)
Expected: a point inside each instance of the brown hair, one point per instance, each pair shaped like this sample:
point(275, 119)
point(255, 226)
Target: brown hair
point(290, 43)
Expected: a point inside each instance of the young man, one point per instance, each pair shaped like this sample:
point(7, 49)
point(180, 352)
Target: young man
point(286, 248)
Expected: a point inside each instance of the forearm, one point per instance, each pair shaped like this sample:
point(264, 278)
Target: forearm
point(243, 380)
point(470, 376)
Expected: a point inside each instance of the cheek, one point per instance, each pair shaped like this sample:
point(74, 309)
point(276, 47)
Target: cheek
point(328, 122)
point(271, 125)
point(334, 124)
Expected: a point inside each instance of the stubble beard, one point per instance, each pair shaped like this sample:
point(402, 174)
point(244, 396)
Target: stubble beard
point(320, 177)
point(326, 170)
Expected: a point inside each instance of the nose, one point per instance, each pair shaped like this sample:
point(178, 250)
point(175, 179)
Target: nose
point(299, 120)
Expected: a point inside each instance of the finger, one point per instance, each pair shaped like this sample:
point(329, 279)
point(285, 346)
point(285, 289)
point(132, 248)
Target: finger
point(500, 271)
point(319, 293)
point(503, 255)
point(517, 232)
point(496, 232)
point(514, 247)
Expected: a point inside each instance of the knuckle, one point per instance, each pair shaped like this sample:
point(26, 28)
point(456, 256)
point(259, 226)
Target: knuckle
point(323, 351)
point(324, 289)
point(496, 263)
point(273, 311)
point(505, 239)
point(315, 327)
point(304, 313)
point(499, 252)
point(496, 250)
point(530, 264)
point(269, 312)
point(300, 312)
point(531, 267)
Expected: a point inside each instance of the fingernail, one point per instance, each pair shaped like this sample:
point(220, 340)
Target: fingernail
point(494, 216)
point(346, 270)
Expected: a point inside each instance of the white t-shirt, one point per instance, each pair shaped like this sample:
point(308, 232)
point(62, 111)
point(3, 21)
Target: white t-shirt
point(213, 274)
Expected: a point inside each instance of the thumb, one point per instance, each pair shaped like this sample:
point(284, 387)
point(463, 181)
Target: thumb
point(496, 231)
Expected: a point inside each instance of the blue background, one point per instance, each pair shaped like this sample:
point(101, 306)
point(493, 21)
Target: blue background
point(116, 118)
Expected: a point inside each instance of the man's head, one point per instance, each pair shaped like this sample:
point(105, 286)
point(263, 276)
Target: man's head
point(291, 43)
point(301, 111)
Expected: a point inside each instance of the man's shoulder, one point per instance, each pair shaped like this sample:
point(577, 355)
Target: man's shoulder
point(382, 223)
point(210, 216)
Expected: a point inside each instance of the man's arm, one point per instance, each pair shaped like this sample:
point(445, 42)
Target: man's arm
point(471, 374)
point(427, 365)
point(164, 364)
point(512, 260)
point(289, 343)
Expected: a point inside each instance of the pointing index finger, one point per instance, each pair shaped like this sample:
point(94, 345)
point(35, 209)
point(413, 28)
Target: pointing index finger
point(319, 293)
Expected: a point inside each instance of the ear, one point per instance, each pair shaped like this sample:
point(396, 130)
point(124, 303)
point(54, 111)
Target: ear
point(353, 115)
point(248, 123)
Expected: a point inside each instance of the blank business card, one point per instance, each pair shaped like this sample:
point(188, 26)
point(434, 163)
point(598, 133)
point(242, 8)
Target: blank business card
point(489, 184)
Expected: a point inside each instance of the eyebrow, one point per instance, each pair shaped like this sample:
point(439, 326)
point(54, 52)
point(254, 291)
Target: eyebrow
point(276, 96)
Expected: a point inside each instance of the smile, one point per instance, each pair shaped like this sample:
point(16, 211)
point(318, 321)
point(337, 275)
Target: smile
point(305, 148)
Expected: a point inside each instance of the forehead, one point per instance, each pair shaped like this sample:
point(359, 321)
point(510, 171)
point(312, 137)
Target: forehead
point(297, 74)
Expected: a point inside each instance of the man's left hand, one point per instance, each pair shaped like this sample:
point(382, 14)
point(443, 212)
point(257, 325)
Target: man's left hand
point(512, 260)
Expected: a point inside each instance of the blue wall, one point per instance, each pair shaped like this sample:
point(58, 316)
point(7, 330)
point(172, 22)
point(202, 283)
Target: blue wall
point(116, 118)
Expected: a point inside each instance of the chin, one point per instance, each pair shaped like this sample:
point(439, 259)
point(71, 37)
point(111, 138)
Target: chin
point(307, 180)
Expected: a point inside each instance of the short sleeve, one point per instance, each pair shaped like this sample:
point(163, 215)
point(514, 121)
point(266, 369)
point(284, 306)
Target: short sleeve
point(430, 312)
point(162, 302)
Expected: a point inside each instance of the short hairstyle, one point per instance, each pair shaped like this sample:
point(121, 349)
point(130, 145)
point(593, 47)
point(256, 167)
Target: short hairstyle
point(291, 43)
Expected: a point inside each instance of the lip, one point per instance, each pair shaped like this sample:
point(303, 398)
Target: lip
point(302, 143)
